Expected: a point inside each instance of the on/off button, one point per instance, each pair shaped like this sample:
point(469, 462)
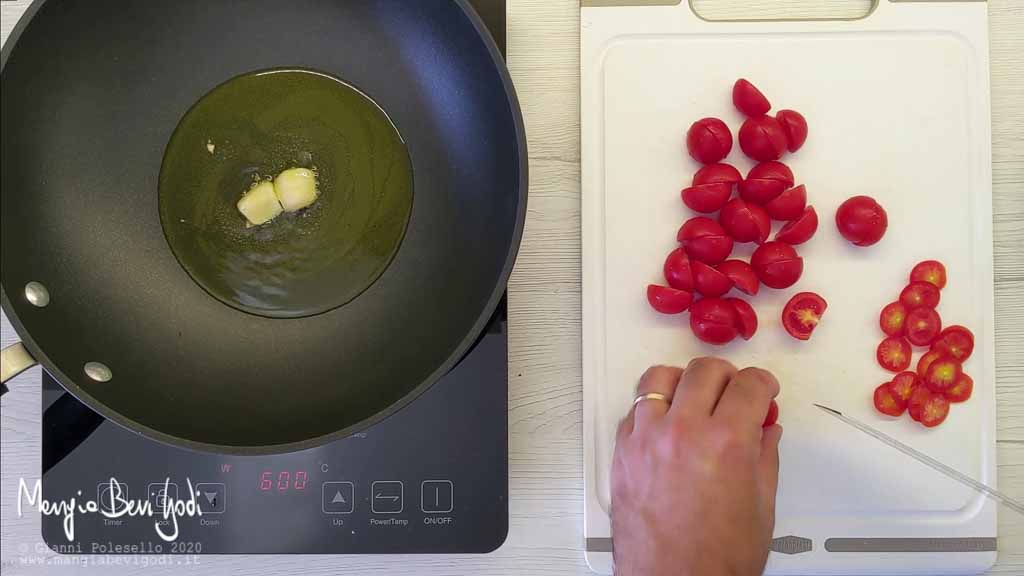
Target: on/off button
point(437, 496)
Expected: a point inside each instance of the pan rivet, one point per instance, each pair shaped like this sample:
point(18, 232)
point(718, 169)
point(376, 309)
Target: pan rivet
point(37, 294)
point(98, 372)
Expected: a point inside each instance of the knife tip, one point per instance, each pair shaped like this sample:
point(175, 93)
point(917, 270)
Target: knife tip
point(831, 410)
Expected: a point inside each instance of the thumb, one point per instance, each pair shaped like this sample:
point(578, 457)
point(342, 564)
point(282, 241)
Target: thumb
point(768, 467)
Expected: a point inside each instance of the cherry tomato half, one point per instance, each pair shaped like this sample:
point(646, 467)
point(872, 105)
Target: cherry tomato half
point(923, 326)
point(934, 411)
point(929, 271)
point(926, 360)
point(903, 385)
point(920, 294)
point(745, 222)
point(705, 240)
point(748, 99)
point(956, 342)
point(668, 300)
point(761, 190)
point(746, 317)
point(772, 170)
point(789, 205)
point(800, 230)
point(678, 272)
point(802, 313)
point(961, 391)
point(887, 403)
point(742, 275)
point(777, 265)
point(795, 126)
point(714, 321)
point(893, 319)
point(773, 415)
point(708, 140)
point(894, 354)
point(862, 221)
point(942, 375)
point(707, 198)
point(698, 227)
point(708, 281)
point(762, 138)
point(717, 174)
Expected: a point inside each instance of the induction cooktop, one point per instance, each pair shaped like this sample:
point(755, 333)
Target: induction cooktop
point(433, 478)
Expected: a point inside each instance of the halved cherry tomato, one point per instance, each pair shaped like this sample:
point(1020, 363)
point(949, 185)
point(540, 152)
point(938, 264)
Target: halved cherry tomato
point(861, 220)
point(748, 99)
point(678, 272)
point(772, 170)
point(920, 294)
point(956, 342)
point(762, 138)
point(795, 126)
point(707, 198)
point(961, 391)
point(668, 300)
point(761, 190)
point(714, 320)
point(742, 275)
point(903, 385)
point(942, 375)
point(708, 140)
point(894, 354)
point(800, 230)
point(708, 281)
point(802, 313)
point(698, 227)
point(926, 361)
point(717, 174)
point(929, 271)
point(923, 326)
point(918, 398)
point(887, 403)
point(789, 205)
point(893, 319)
point(773, 415)
point(745, 222)
point(746, 317)
point(777, 265)
point(934, 411)
point(705, 240)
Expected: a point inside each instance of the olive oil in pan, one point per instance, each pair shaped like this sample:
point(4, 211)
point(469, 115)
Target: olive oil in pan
point(254, 127)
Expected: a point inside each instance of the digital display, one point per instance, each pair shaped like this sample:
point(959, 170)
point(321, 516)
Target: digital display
point(283, 480)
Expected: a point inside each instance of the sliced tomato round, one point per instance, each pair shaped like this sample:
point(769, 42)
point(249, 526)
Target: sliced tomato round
point(708, 281)
point(668, 300)
point(923, 326)
point(777, 265)
point(714, 321)
point(962, 390)
point(802, 314)
point(894, 354)
point(862, 221)
point(956, 342)
point(789, 205)
point(748, 99)
point(800, 230)
point(926, 361)
point(678, 272)
point(918, 399)
point(772, 170)
point(920, 295)
point(707, 198)
point(934, 411)
point(698, 227)
point(708, 140)
point(761, 190)
point(717, 174)
point(742, 275)
point(903, 385)
point(887, 403)
point(746, 318)
point(942, 375)
point(745, 222)
point(773, 415)
point(893, 319)
point(762, 138)
point(795, 126)
point(931, 271)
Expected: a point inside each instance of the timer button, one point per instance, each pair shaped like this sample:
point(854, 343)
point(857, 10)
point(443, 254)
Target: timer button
point(338, 497)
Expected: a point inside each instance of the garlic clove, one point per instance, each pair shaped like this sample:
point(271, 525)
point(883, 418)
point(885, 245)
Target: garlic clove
point(296, 188)
point(260, 205)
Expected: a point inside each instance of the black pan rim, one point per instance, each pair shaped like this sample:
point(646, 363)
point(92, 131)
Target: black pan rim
point(454, 358)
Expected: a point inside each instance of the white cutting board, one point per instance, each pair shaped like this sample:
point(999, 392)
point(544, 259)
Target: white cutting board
point(898, 108)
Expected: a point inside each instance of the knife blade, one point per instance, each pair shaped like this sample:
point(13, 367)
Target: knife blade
point(928, 461)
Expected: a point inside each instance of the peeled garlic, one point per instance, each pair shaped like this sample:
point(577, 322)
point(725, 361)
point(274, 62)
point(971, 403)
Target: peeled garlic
point(259, 205)
point(296, 188)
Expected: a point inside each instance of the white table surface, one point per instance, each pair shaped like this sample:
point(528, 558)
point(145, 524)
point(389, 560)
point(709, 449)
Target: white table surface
point(545, 424)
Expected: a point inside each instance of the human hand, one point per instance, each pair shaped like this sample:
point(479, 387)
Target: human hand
point(694, 478)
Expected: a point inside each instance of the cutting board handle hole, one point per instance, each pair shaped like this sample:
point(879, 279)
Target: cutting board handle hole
point(760, 10)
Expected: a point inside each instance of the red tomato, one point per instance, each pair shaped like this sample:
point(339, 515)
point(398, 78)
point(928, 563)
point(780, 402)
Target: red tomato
point(708, 140)
point(697, 227)
point(862, 221)
point(929, 271)
point(762, 138)
point(893, 354)
point(942, 375)
point(789, 205)
point(677, 269)
point(761, 190)
point(961, 391)
point(903, 385)
point(748, 99)
point(926, 361)
point(745, 222)
point(923, 326)
point(773, 415)
point(887, 403)
point(714, 320)
point(707, 198)
point(710, 250)
point(934, 411)
point(777, 265)
point(920, 295)
point(668, 300)
point(800, 230)
point(956, 342)
point(802, 313)
point(708, 281)
point(795, 126)
point(742, 275)
point(893, 319)
point(717, 174)
point(772, 170)
point(920, 396)
point(746, 316)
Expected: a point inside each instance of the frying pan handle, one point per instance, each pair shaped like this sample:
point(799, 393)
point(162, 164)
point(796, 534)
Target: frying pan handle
point(14, 360)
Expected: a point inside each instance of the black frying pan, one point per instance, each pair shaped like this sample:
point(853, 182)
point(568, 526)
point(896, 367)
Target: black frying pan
point(92, 91)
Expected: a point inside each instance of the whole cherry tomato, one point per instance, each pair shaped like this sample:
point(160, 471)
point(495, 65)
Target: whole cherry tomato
point(762, 138)
point(777, 265)
point(748, 99)
point(714, 321)
point(705, 240)
point(862, 221)
point(708, 140)
point(795, 126)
